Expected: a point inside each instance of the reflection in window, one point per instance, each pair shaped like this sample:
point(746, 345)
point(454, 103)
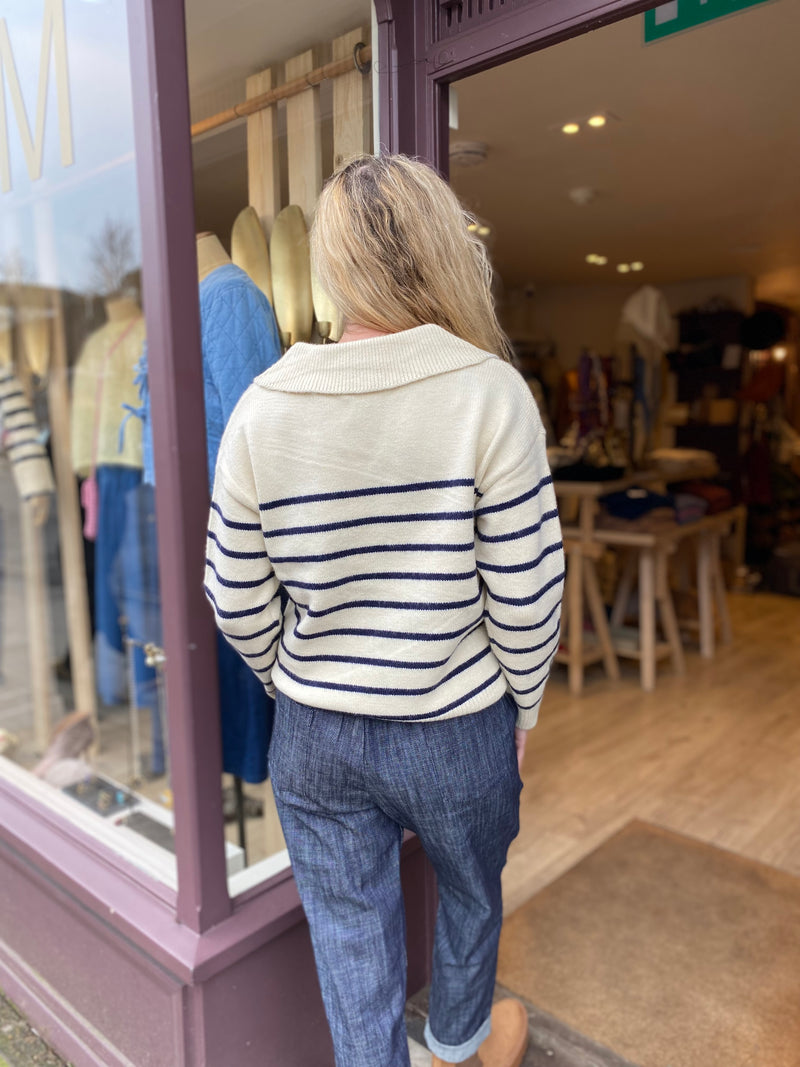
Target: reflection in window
point(81, 690)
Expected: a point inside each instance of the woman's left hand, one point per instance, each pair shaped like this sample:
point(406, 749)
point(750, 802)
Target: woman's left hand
point(520, 737)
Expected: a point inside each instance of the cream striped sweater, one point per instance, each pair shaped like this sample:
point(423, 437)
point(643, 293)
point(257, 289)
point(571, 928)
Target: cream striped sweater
point(397, 491)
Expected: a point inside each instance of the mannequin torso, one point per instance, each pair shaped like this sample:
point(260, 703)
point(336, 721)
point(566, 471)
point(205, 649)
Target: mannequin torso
point(210, 254)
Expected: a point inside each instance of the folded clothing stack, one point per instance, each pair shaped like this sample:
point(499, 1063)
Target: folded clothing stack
point(637, 509)
point(717, 497)
point(635, 502)
point(689, 508)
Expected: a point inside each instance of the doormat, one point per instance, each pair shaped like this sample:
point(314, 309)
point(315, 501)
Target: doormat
point(671, 952)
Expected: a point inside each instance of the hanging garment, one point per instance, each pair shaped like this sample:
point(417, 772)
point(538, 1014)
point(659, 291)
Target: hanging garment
point(118, 593)
point(30, 465)
point(102, 384)
point(239, 340)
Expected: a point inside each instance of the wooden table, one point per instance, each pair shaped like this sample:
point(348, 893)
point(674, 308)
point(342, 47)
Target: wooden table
point(650, 560)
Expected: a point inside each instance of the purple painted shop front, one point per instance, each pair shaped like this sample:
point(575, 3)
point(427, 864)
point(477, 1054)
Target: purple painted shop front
point(113, 967)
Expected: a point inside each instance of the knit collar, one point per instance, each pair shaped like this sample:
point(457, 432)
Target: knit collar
point(372, 365)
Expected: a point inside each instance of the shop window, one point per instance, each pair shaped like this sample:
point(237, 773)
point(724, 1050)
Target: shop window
point(276, 105)
point(82, 707)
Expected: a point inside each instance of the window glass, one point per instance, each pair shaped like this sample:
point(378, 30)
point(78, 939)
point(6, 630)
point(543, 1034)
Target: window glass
point(82, 708)
point(256, 180)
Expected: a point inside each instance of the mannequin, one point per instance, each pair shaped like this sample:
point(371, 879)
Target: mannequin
point(107, 453)
point(122, 309)
point(210, 254)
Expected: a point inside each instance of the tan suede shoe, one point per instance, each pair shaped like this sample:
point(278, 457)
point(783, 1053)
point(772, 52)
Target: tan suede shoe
point(506, 1044)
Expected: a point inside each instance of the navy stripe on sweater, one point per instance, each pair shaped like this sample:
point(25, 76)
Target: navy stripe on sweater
point(517, 568)
point(365, 550)
point(234, 525)
point(516, 535)
point(371, 520)
point(238, 585)
point(234, 555)
point(252, 636)
point(258, 655)
point(523, 629)
point(238, 614)
point(394, 605)
point(448, 707)
point(400, 664)
point(532, 670)
point(352, 494)
point(530, 648)
point(392, 635)
point(410, 576)
point(523, 601)
point(375, 690)
point(533, 688)
point(517, 500)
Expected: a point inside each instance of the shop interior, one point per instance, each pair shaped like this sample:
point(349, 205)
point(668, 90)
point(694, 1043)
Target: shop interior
point(640, 205)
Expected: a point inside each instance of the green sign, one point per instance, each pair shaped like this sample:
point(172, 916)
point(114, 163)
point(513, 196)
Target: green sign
point(679, 15)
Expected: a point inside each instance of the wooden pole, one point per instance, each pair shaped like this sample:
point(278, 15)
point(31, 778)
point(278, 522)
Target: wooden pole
point(282, 92)
point(73, 566)
point(38, 624)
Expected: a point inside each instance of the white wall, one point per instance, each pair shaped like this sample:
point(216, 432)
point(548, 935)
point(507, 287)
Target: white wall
point(587, 316)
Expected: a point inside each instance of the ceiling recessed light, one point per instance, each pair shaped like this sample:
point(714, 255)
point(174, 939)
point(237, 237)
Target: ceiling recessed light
point(472, 227)
point(484, 231)
point(570, 127)
point(597, 261)
point(591, 258)
point(780, 352)
point(597, 121)
point(638, 265)
point(623, 268)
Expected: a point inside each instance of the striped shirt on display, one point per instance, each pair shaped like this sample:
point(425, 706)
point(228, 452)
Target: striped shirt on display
point(30, 465)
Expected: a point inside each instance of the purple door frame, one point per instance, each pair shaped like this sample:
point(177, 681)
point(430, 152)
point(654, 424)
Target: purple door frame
point(419, 54)
point(113, 967)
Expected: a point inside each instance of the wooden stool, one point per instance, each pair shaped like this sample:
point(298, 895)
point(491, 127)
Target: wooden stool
point(646, 561)
point(582, 580)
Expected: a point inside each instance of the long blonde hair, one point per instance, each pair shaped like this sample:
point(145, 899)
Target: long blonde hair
point(391, 248)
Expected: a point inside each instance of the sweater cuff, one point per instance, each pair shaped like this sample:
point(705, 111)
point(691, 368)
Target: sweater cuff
point(527, 719)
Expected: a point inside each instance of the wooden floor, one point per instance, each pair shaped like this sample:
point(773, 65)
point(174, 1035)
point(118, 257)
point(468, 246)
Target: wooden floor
point(714, 754)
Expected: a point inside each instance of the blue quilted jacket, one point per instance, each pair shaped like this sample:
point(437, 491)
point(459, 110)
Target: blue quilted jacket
point(239, 340)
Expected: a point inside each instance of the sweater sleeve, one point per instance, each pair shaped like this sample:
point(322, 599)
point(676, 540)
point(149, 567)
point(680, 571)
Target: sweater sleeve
point(521, 562)
point(239, 580)
point(30, 465)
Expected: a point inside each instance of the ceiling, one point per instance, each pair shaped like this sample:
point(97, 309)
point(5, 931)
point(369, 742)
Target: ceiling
point(697, 176)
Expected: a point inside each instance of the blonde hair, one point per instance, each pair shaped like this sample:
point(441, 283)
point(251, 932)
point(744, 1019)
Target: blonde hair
point(391, 248)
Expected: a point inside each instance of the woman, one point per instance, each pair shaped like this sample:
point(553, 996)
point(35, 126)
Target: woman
point(395, 488)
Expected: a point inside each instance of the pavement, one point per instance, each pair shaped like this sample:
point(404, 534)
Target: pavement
point(20, 1045)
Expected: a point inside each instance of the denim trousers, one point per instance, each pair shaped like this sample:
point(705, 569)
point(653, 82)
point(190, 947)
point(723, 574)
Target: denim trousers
point(345, 787)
